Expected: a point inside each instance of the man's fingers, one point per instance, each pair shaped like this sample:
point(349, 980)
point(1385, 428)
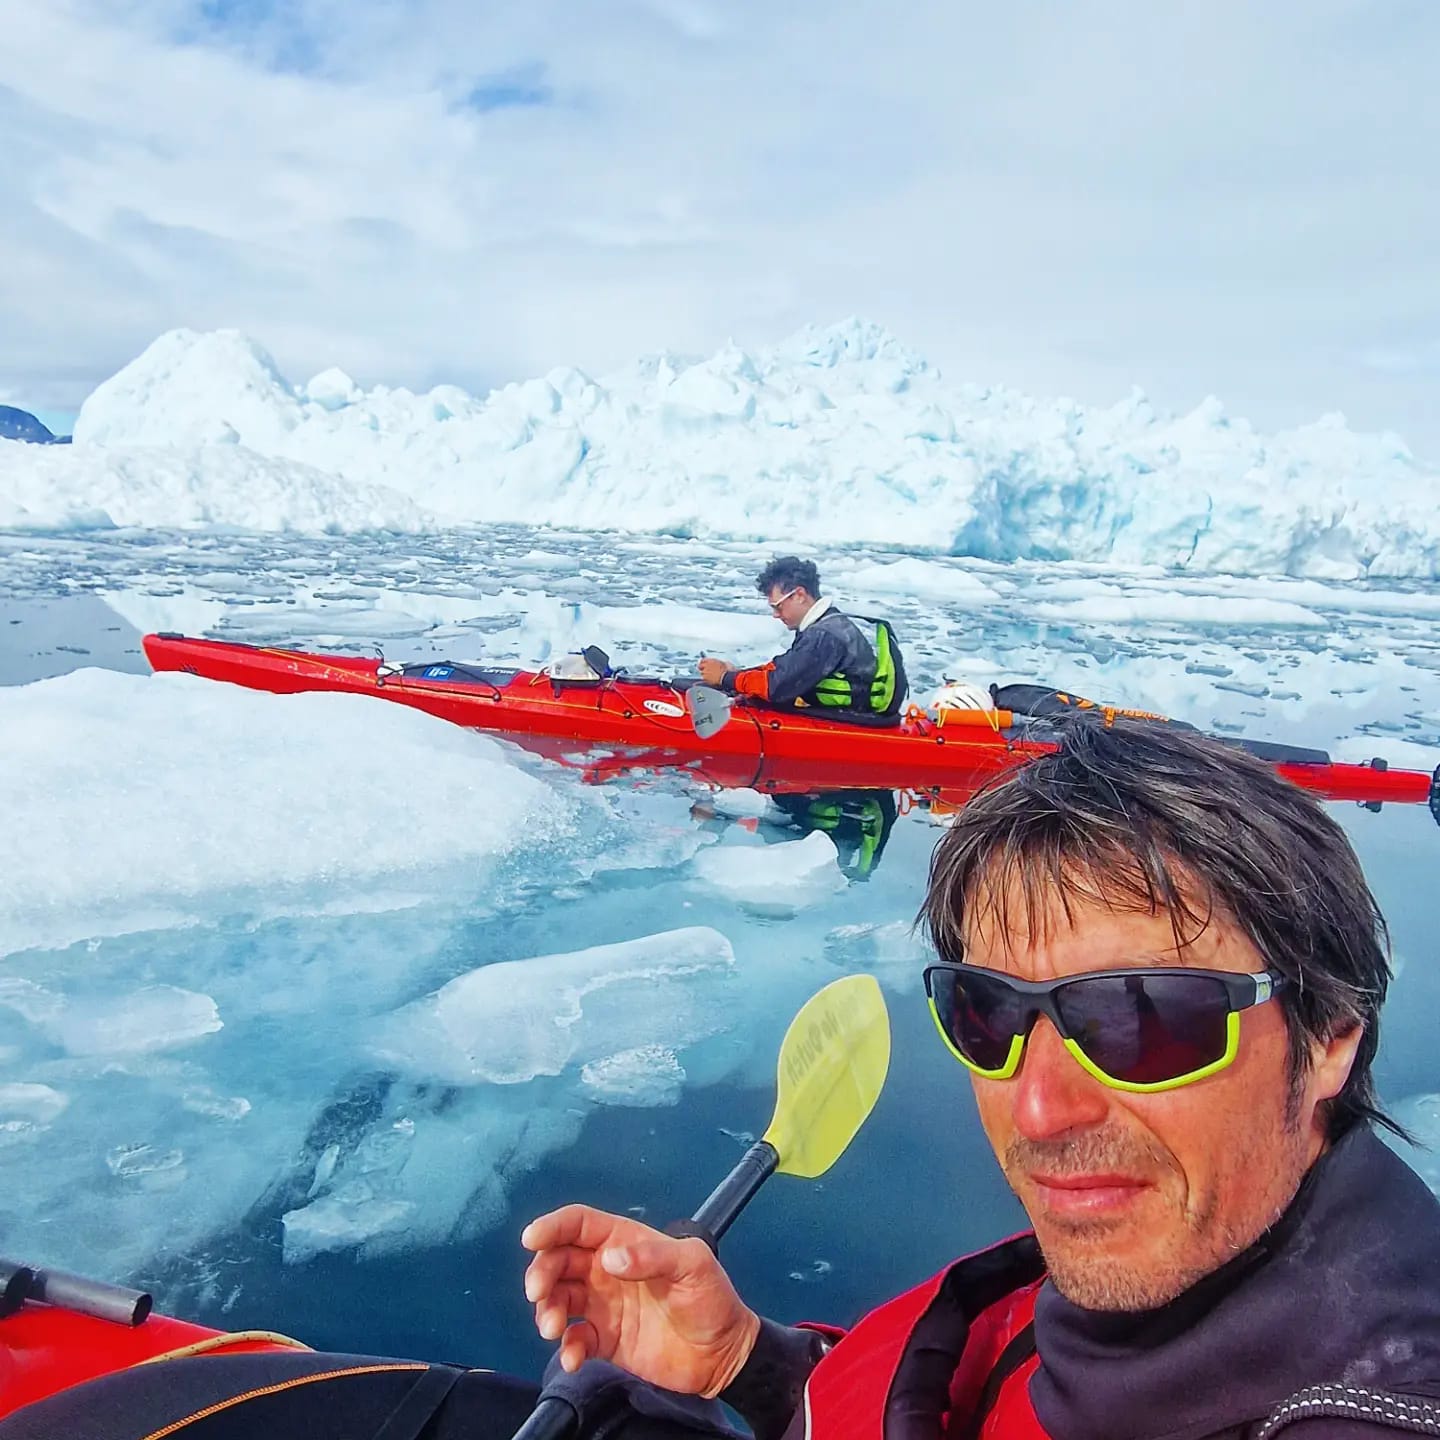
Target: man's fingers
point(570, 1225)
point(660, 1258)
point(579, 1344)
point(565, 1302)
point(568, 1262)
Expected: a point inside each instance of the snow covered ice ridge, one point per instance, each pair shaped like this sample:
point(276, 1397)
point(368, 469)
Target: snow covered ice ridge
point(839, 434)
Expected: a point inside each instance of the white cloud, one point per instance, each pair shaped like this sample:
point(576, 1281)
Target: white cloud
point(1233, 198)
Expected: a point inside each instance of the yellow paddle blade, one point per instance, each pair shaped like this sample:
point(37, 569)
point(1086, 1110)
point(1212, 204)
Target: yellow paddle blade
point(832, 1069)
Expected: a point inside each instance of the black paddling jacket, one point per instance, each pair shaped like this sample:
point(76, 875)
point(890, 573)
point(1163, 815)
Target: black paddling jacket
point(836, 663)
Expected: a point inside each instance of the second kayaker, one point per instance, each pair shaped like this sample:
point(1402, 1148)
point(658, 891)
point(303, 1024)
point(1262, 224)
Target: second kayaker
point(851, 668)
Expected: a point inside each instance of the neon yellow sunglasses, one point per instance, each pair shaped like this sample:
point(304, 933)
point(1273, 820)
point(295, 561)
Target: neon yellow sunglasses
point(1140, 1029)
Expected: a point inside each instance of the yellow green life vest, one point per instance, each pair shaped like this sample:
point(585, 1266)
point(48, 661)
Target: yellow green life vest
point(837, 690)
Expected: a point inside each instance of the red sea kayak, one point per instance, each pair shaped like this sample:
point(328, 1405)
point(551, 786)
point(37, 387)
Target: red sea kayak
point(643, 722)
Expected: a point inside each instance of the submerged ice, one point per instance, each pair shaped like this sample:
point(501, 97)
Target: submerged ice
point(778, 879)
point(253, 955)
point(505, 1024)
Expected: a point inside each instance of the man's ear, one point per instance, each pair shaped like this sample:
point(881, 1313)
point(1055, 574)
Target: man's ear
point(1333, 1059)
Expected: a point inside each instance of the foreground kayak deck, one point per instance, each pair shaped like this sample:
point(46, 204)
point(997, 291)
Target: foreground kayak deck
point(645, 722)
point(45, 1349)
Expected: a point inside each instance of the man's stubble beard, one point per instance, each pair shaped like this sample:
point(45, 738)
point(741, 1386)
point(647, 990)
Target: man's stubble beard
point(1092, 1278)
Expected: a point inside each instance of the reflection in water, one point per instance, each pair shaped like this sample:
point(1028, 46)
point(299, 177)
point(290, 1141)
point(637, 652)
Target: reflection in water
point(859, 823)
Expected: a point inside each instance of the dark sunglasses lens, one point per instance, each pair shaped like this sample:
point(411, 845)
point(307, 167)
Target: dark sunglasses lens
point(980, 1015)
point(1145, 1029)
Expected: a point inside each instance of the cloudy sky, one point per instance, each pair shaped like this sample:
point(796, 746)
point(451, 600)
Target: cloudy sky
point(1067, 196)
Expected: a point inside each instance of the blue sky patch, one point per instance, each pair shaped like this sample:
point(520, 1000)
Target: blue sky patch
point(273, 31)
point(522, 87)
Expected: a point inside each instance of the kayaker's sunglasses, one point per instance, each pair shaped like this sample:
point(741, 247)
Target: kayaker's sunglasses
point(776, 604)
point(1135, 1029)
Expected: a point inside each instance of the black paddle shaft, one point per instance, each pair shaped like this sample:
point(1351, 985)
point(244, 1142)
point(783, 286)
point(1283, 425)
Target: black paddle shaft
point(730, 1196)
point(556, 1419)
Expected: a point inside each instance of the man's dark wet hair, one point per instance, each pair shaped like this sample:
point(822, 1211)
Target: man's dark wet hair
point(788, 572)
point(1153, 819)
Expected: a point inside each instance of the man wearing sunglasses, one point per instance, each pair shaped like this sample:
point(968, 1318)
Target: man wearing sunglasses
point(831, 663)
point(1161, 969)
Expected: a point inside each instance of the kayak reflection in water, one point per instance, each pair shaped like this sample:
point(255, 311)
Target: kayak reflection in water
point(858, 821)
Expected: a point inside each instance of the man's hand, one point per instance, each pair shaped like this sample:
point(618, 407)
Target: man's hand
point(661, 1308)
point(712, 671)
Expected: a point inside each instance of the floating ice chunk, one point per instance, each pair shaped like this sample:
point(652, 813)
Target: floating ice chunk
point(778, 879)
point(504, 1024)
point(366, 1202)
point(118, 818)
point(649, 1075)
point(155, 1017)
point(324, 1169)
point(147, 1166)
point(158, 1017)
point(347, 1216)
point(544, 560)
point(204, 1101)
point(682, 625)
point(192, 612)
point(891, 949)
point(817, 1272)
point(27, 1109)
point(740, 804)
point(1151, 608)
point(927, 579)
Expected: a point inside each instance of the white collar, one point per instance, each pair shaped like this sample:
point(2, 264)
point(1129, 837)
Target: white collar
point(823, 604)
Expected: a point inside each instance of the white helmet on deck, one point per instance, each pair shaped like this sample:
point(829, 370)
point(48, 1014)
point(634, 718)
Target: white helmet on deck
point(962, 695)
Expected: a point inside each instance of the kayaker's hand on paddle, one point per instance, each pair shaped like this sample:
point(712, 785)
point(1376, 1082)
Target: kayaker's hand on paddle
point(661, 1308)
point(712, 671)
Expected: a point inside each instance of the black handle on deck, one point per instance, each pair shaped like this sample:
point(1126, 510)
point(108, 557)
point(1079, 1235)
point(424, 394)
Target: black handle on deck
point(15, 1282)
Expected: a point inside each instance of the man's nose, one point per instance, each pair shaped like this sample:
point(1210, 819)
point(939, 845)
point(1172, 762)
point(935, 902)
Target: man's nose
point(1052, 1092)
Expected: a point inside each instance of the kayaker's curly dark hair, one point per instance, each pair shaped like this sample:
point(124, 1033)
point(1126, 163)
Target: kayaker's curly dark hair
point(1151, 818)
point(788, 572)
